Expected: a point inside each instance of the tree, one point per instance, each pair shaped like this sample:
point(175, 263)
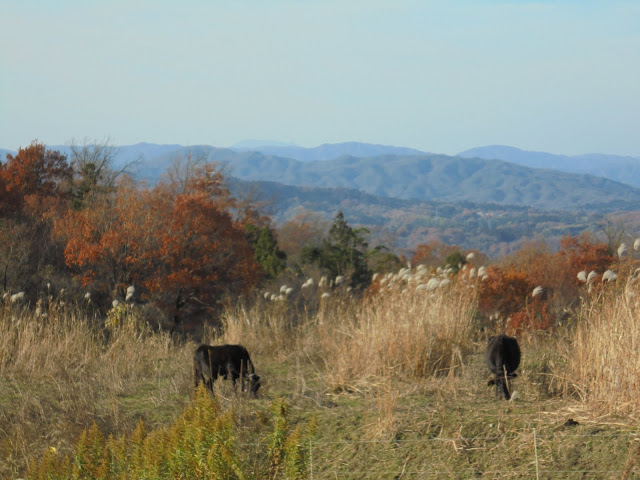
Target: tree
point(103, 244)
point(454, 261)
point(380, 259)
point(267, 252)
point(433, 253)
point(198, 254)
point(34, 189)
point(505, 291)
point(93, 170)
point(613, 231)
point(33, 181)
point(183, 249)
point(342, 252)
point(584, 253)
point(304, 229)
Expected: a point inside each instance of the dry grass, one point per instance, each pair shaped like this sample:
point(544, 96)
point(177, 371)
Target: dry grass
point(410, 334)
point(402, 370)
point(604, 360)
point(401, 332)
point(60, 374)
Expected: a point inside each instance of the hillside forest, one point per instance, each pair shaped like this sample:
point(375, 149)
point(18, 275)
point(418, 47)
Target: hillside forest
point(108, 285)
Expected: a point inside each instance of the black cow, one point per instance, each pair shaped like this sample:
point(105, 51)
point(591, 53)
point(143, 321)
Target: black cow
point(503, 358)
point(209, 362)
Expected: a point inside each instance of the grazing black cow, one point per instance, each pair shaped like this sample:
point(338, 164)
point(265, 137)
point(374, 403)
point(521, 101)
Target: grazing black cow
point(503, 358)
point(209, 362)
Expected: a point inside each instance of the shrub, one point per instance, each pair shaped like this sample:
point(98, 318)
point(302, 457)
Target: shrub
point(200, 444)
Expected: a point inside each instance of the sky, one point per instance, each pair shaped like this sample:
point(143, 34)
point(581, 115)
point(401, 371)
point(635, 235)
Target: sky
point(560, 76)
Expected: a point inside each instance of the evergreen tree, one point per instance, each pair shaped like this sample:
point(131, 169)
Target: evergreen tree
point(454, 261)
point(343, 252)
point(266, 250)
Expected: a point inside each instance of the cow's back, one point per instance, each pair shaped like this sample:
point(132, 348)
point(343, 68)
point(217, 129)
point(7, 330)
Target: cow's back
point(220, 359)
point(503, 353)
point(238, 357)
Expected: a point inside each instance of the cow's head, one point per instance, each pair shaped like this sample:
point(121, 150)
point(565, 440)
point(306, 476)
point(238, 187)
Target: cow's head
point(254, 384)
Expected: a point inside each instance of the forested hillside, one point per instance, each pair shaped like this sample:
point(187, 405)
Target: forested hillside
point(405, 224)
point(420, 177)
point(625, 169)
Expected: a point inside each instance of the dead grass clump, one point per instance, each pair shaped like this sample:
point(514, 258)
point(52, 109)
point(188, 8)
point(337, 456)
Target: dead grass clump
point(603, 360)
point(355, 342)
point(410, 334)
point(42, 347)
point(263, 327)
point(61, 373)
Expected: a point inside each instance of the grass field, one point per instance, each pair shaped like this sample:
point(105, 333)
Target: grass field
point(396, 388)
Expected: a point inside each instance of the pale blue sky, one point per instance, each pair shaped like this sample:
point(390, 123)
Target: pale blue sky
point(441, 76)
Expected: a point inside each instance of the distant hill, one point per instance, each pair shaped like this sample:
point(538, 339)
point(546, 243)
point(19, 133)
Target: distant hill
point(614, 167)
point(421, 177)
point(443, 178)
point(328, 151)
point(404, 224)
point(405, 200)
point(256, 145)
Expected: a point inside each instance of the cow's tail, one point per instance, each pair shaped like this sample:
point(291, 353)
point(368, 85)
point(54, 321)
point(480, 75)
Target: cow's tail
point(503, 381)
point(502, 377)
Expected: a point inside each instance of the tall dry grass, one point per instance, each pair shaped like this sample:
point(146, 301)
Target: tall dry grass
point(604, 357)
point(400, 332)
point(411, 334)
point(62, 373)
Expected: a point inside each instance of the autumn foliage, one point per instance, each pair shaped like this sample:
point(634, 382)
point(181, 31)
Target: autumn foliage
point(432, 253)
point(34, 189)
point(507, 293)
point(187, 243)
point(33, 181)
point(178, 247)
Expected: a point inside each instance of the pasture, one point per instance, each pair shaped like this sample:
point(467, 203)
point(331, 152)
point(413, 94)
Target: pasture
point(393, 386)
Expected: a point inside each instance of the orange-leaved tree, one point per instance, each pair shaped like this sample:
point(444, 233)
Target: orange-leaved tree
point(584, 253)
point(504, 291)
point(433, 253)
point(509, 288)
point(104, 241)
point(33, 181)
point(181, 247)
point(198, 252)
point(34, 188)
point(305, 228)
point(508, 293)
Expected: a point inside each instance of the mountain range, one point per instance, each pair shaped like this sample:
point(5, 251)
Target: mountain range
point(391, 172)
point(488, 197)
point(327, 151)
point(494, 174)
point(404, 224)
point(625, 169)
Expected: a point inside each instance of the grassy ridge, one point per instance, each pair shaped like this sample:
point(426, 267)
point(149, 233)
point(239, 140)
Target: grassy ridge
point(395, 386)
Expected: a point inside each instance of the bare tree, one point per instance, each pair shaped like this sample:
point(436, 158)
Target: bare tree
point(613, 232)
point(93, 168)
point(183, 170)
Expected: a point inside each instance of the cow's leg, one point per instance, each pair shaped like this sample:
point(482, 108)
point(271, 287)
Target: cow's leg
point(498, 387)
point(196, 375)
point(210, 381)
